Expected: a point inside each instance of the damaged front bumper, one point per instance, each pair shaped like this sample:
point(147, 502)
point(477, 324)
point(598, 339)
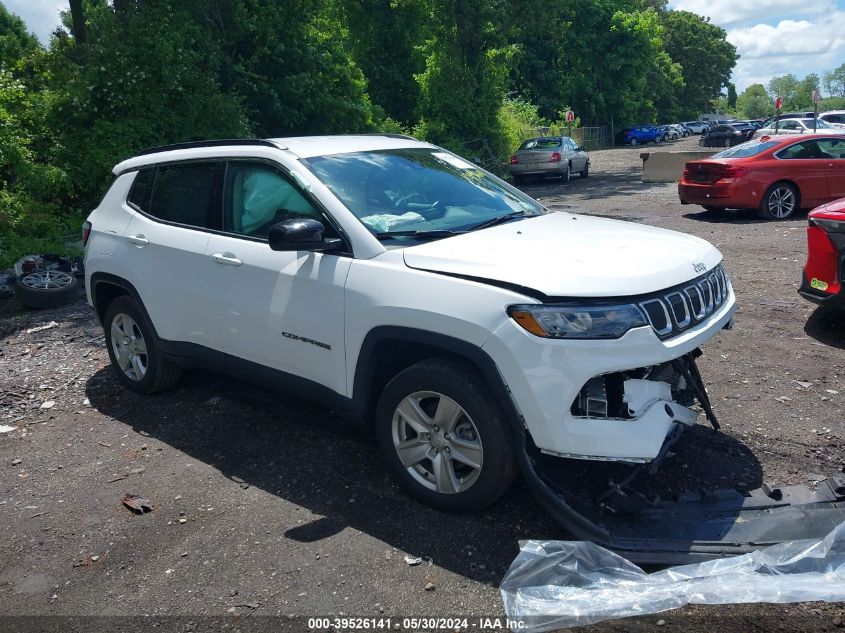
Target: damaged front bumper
point(688, 526)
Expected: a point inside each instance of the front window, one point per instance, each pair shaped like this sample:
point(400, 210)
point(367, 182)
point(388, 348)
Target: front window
point(418, 190)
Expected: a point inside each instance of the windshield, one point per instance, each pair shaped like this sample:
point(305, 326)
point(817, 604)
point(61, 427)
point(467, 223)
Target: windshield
point(418, 190)
point(751, 148)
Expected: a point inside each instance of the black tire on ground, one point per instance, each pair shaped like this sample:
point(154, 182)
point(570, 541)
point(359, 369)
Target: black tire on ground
point(160, 373)
point(46, 297)
point(633, 141)
point(786, 192)
point(461, 383)
point(586, 171)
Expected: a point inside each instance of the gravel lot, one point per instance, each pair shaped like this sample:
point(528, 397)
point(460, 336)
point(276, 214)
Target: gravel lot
point(268, 505)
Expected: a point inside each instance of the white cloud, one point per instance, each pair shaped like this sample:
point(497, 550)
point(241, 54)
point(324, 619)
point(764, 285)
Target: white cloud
point(790, 46)
point(727, 12)
point(41, 16)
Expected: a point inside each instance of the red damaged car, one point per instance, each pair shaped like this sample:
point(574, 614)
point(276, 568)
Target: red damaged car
point(776, 175)
point(824, 272)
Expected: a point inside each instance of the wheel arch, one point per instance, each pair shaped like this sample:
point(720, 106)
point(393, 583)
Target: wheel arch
point(387, 350)
point(786, 181)
point(106, 287)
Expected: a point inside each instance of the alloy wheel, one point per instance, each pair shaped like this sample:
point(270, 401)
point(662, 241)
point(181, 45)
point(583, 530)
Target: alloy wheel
point(781, 202)
point(129, 347)
point(437, 442)
point(47, 280)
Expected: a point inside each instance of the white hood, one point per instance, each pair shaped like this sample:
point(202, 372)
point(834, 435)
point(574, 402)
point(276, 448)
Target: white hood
point(566, 255)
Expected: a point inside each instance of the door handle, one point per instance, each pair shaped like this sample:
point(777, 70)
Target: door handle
point(226, 258)
point(138, 240)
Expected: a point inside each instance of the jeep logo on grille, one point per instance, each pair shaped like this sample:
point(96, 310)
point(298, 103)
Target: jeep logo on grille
point(699, 267)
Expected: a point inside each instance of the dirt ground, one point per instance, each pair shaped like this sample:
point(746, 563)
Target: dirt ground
point(266, 505)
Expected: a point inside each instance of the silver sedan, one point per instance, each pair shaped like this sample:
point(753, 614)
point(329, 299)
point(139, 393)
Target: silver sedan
point(549, 156)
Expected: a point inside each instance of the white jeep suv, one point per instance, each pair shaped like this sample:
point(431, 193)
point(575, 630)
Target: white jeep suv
point(406, 287)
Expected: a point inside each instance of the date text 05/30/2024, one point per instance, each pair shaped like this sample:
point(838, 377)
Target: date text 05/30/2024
point(342, 624)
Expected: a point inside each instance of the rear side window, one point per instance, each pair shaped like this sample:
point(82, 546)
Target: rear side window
point(185, 194)
point(142, 188)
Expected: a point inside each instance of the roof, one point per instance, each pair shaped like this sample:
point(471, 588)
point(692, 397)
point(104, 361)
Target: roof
point(300, 146)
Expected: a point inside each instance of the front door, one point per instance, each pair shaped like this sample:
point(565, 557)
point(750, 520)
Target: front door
point(834, 150)
point(282, 310)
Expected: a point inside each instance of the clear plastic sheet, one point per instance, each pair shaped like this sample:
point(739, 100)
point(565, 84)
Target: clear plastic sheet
point(562, 584)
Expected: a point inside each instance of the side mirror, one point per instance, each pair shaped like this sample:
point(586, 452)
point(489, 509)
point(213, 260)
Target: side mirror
point(305, 234)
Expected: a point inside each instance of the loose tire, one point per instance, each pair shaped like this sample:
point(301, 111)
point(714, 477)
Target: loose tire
point(780, 202)
point(46, 288)
point(444, 437)
point(133, 349)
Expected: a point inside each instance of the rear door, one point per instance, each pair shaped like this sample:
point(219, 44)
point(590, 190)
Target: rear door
point(174, 207)
point(282, 310)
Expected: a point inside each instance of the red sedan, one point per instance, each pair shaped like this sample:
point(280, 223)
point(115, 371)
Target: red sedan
point(777, 175)
point(824, 272)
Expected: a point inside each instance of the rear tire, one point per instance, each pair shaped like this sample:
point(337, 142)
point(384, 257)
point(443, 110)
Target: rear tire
point(564, 177)
point(133, 349)
point(438, 413)
point(519, 180)
point(780, 202)
point(633, 141)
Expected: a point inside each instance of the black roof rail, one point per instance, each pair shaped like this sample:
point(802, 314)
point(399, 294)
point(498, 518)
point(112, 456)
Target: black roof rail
point(391, 135)
point(213, 143)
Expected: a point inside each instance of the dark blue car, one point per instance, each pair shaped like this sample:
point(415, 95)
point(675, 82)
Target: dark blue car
point(637, 135)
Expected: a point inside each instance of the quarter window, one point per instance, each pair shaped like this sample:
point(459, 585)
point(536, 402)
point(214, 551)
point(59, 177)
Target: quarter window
point(142, 187)
point(257, 196)
point(185, 194)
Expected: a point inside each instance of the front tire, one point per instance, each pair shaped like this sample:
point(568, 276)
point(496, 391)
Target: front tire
point(133, 349)
point(444, 437)
point(780, 202)
point(586, 171)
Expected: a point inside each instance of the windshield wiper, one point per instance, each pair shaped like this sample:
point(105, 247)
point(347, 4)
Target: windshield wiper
point(432, 234)
point(501, 219)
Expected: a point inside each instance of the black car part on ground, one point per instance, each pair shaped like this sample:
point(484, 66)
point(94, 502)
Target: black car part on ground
point(691, 526)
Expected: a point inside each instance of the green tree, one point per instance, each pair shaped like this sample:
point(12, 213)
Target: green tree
point(731, 98)
point(786, 87)
point(16, 43)
point(754, 103)
point(385, 37)
point(834, 81)
point(705, 55)
point(463, 85)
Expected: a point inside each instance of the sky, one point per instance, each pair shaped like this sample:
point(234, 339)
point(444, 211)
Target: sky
point(773, 37)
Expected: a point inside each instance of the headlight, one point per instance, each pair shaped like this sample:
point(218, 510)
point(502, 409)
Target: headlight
point(584, 321)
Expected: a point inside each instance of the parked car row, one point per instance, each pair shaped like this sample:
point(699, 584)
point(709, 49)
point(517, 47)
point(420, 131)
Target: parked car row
point(650, 133)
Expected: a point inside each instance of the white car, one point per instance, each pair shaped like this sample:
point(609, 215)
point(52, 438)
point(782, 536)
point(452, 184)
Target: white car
point(836, 118)
point(696, 127)
point(794, 126)
point(406, 287)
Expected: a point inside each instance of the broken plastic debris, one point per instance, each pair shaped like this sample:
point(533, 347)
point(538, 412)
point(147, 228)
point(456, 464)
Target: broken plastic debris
point(5, 428)
point(137, 503)
point(48, 404)
point(413, 560)
point(41, 328)
point(561, 584)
